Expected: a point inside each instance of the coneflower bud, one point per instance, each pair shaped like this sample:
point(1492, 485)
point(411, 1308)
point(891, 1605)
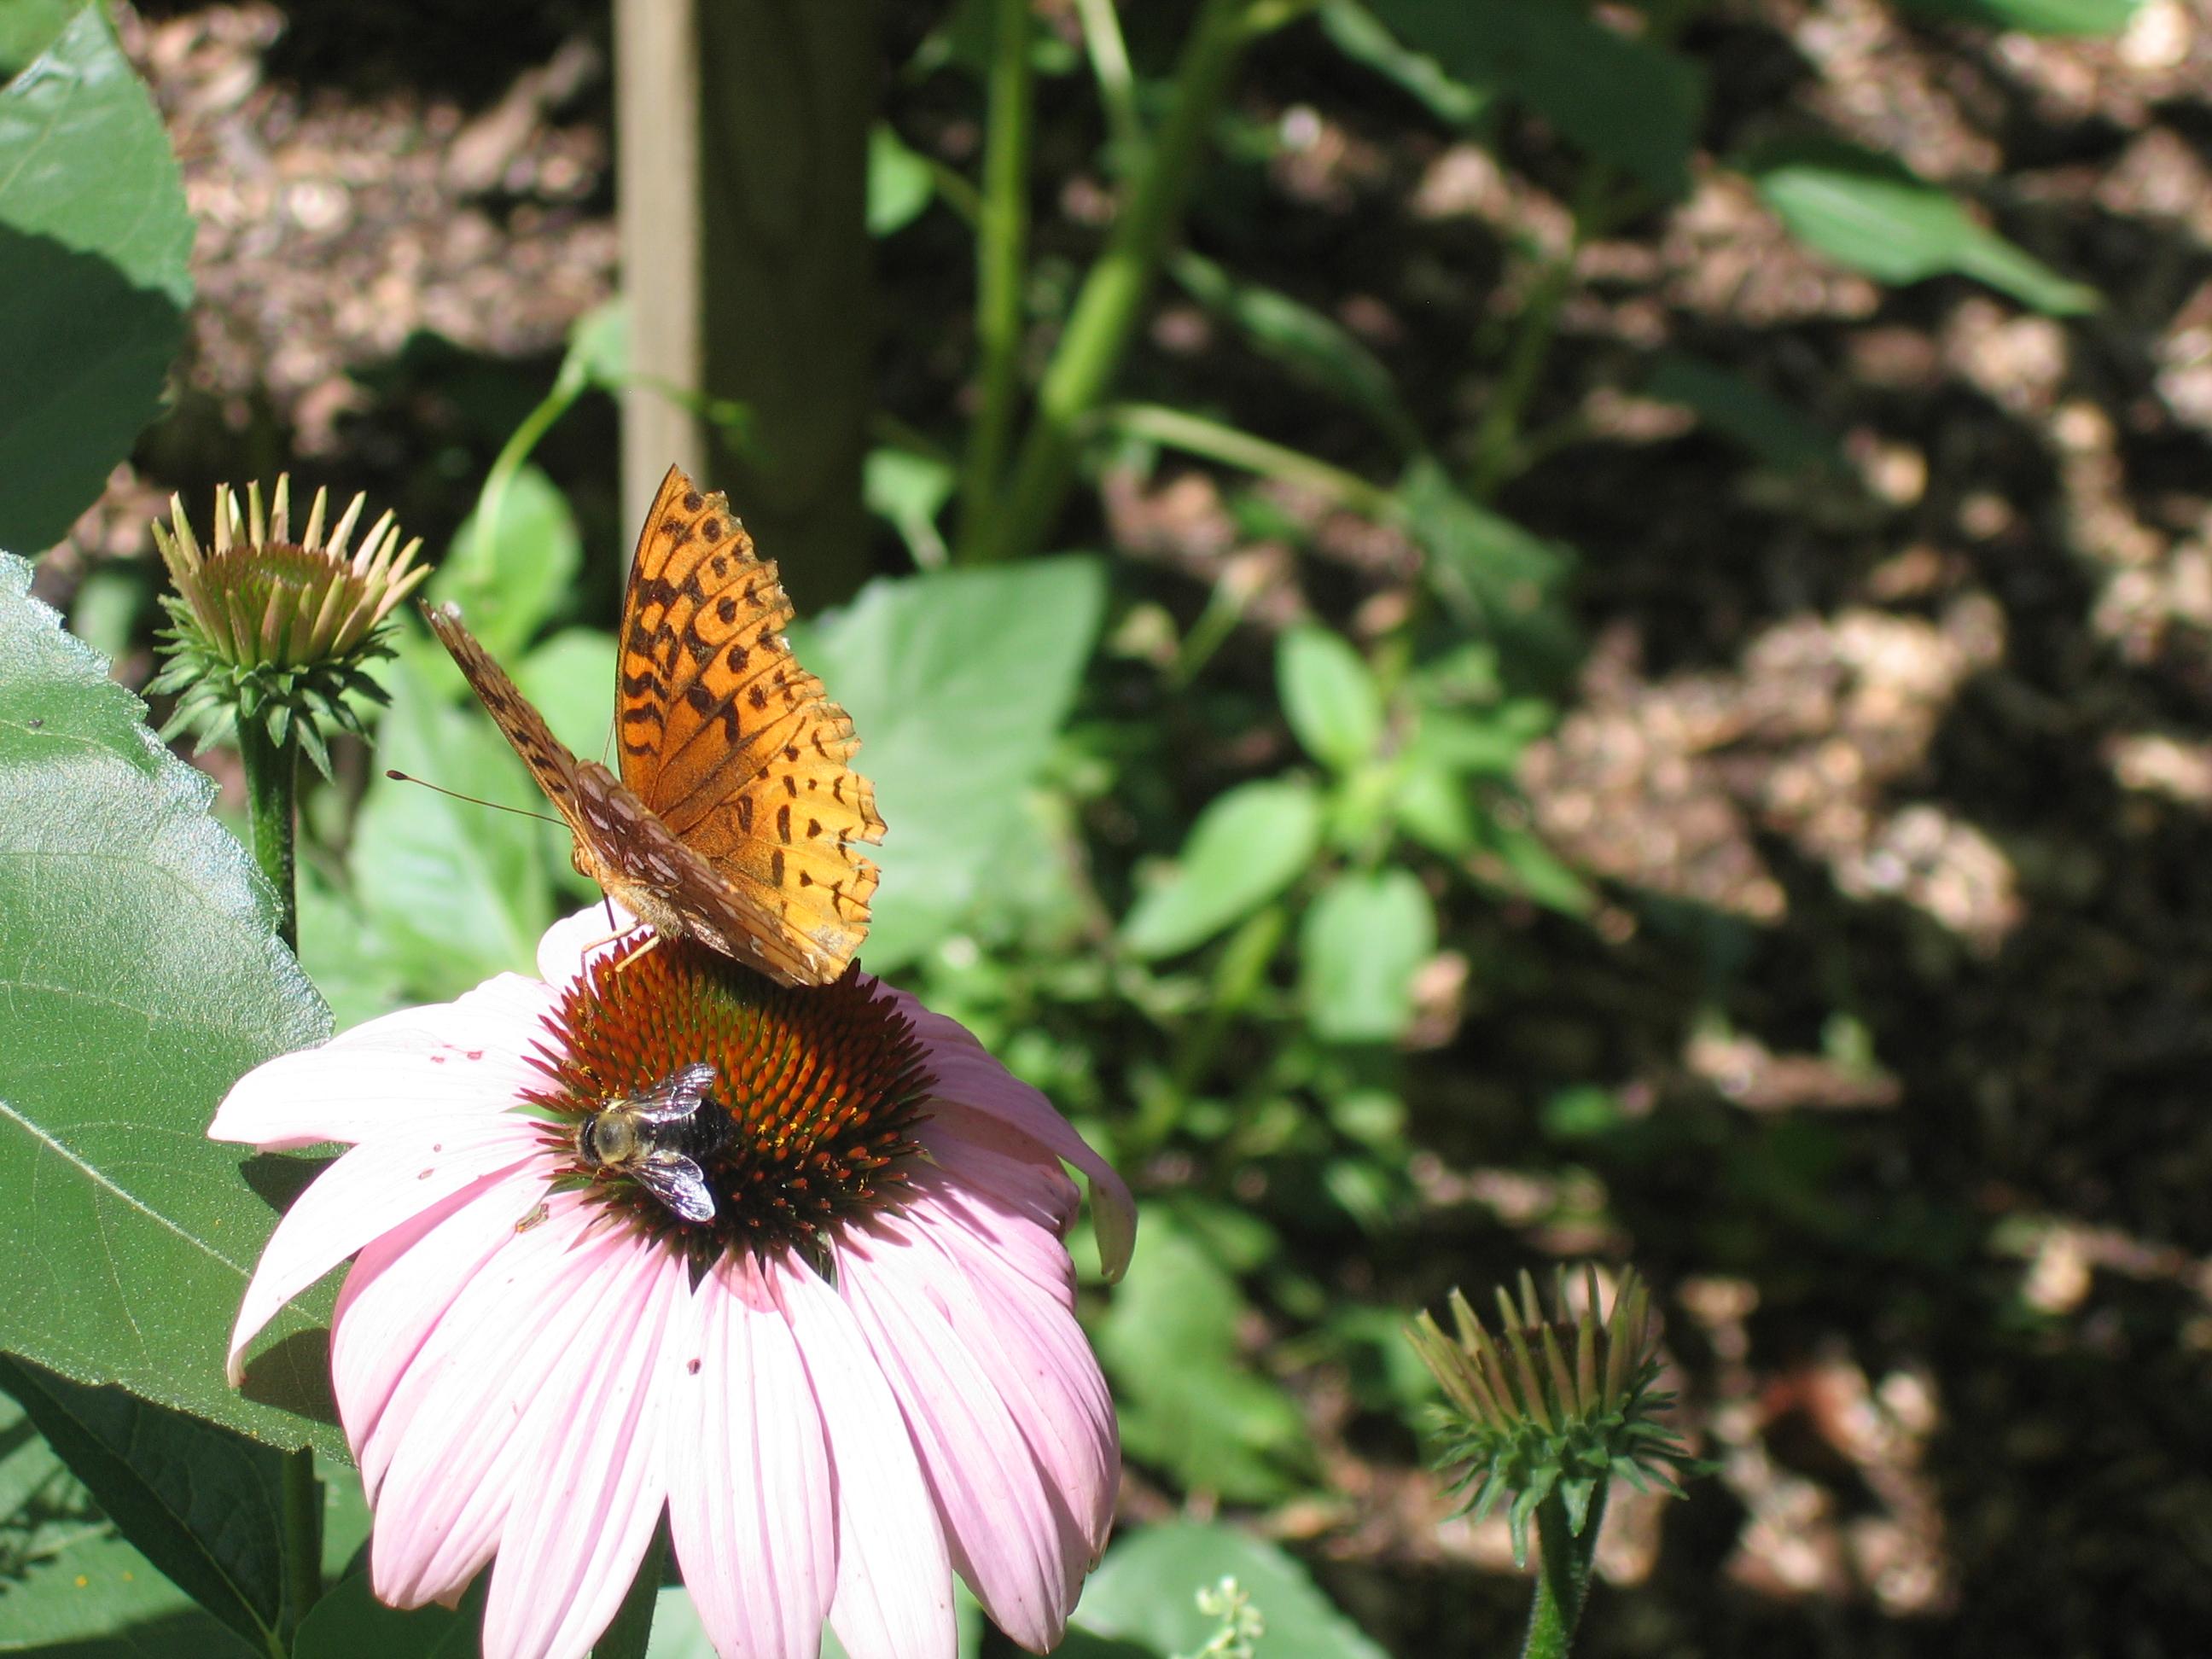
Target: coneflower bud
point(1557, 1405)
point(274, 631)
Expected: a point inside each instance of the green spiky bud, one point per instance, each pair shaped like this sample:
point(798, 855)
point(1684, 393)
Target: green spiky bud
point(275, 631)
point(1559, 1404)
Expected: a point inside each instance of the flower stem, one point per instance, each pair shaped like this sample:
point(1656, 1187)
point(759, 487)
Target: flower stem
point(302, 1496)
point(1002, 248)
point(631, 1632)
point(272, 770)
point(1563, 1574)
point(1107, 310)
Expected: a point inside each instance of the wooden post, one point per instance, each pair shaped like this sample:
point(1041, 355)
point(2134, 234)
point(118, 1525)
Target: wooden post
point(742, 130)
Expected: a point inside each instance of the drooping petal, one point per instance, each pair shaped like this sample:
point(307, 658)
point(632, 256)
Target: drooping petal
point(378, 1186)
point(419, 1065)
point(894, 1597)
point(1026, 1338)
point(492, 1382)
point(1008, 1187)
point(748, 1496)
point(592, 1494)
point(401, 1285)
point(966, 1073)
point(1009, 1530)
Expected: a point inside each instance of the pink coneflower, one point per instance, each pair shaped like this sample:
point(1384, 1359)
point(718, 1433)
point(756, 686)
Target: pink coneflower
point(853, 1368)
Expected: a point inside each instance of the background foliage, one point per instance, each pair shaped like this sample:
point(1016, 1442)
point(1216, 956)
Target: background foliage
point(1624, 672)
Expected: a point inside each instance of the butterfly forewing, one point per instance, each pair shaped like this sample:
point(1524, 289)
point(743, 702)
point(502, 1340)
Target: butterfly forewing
point(732, 819)
point(733, 744)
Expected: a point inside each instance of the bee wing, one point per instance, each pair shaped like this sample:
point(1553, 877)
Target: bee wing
point(676, 1096)
point(679, 1183)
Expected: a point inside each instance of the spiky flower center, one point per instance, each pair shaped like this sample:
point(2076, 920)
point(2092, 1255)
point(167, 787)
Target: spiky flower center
point(807, 1120)
point(275, 591)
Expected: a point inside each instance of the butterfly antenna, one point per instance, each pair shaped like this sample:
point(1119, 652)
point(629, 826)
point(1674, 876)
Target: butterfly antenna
point(397, 777)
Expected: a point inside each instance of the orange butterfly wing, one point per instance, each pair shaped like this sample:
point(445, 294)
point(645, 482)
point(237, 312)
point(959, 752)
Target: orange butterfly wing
point(733, 745)
point(732, 819)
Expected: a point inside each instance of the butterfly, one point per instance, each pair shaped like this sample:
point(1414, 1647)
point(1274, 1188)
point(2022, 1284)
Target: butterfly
point(733, 819)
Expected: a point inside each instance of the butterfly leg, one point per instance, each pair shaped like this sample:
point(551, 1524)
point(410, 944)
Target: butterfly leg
point(642, 952)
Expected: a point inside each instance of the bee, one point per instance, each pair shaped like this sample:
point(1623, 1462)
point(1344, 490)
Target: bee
point(657, 1138)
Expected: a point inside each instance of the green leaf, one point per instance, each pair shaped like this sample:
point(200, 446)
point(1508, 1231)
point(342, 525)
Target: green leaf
point(94, 241)
point(909, 491)
point(1147, 1588)
point(1536, 870)
point(142, 977)
point(1768, 429)
point(202, 1502)
point(957, 682)
point(71, 1586)
point(1358, 951)
point(27, 28)
point(1248, 845)
point(1329, 697)
point(1188, 1402)
point(1353, 30)
point(510, 584)
point(1623, 99)
point(1493, 575)
point(598, 346)
point(351, 1623)
point(1294, 334)
point(900, 182)
point(455, 891)
point(1872, 212)
point(2035, 16)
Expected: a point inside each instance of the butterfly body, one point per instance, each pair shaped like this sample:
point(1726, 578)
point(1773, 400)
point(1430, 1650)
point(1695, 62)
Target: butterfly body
point(733, 817)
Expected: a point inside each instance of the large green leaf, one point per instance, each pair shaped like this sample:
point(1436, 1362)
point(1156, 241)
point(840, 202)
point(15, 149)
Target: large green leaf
point(1496, 577)
point(351, 1623)
point(957, 682)
point(1874, 214)
point(71, 1587)
point(1624, 99)
point(511, 583)
point(1247, 847)
point(455, 891)
point(95, 239)
point(1188, 1402)
point(1358, 949)
point(140, 975)
point(204, 1504)
point(1148, 1589)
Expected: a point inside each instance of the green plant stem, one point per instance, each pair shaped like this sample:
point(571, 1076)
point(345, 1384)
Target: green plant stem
point(1497, 440)
point(1002, 253)
point(272, 770)
point(1563, 1574)
point(1197, 435)
point(1112, 299)
point(302, 1496)
point(1109, 62)
point(631, 1631)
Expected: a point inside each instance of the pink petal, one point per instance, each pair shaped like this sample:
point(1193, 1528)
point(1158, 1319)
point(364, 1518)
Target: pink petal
point(401, 1285)
point(421, 1065)
point(473, 1415)
point(591, 932)
point(1009, 1529)
point(749, 1491)
point(378, 1186)
point(966, 1073)
point(592, 1495)
point(1026, 1339)
point(894, 1596)
point(1007, 1187)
